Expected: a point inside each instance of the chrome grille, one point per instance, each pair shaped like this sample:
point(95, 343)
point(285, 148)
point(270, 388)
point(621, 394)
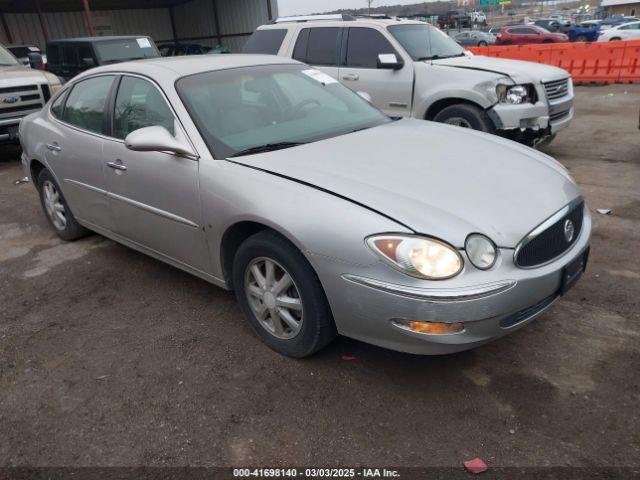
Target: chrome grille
point(557, 88)
point(20, 101)
point(548, 241)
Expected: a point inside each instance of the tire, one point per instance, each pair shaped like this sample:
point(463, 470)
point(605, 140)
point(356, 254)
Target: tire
point(546, 142)
point(547, 41)
point(466, 116)
point(315, 327)
point(52, 200)
point(581, 38)
point(615, 39)
point(482, 43)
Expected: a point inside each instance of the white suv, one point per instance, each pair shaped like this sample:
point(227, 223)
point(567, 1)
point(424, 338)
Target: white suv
point(411, 69)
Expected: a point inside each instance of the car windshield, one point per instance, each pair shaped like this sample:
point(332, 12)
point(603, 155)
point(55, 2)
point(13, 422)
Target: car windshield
point(121, 50)
point(424, 42)
point(247, 110)
point(6, 58)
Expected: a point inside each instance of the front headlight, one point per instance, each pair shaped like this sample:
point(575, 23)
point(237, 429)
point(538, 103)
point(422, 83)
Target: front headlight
point(481, 251)
point(420, 257)
point(515, 94)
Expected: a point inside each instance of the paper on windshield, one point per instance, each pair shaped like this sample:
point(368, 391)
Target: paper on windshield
point(318, 76)
point(143, 42)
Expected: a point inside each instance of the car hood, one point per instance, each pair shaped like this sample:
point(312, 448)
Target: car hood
point(518, 70)
point(18, 75)
point(435, 179)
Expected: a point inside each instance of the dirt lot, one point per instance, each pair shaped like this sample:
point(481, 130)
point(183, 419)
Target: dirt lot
point(108, 357)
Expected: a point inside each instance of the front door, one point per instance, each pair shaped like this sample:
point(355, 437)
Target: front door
point(154, 195)
point(391, 90)
point(320, 47)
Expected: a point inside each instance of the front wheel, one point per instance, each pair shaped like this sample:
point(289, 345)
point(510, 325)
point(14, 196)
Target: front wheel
point(56, 208)
point(482, 43)
point(615, 39)
point(281, 296)
point(466, 116)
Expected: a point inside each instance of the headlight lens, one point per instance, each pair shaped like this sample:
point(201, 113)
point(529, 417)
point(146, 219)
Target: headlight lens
point(418, 256)
point(481, 251)
point(515, 94)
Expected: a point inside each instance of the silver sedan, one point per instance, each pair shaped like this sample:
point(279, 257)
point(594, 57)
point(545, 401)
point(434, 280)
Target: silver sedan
point(265, 176)
point(474, 38)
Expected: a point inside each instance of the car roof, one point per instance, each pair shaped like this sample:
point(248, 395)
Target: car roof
point(172, 68)
point(97, 39)
point(342, 23)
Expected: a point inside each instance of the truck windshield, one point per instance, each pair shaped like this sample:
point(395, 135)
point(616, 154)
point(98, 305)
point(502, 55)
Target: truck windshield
point(122, 50)
point(6, 58)
point(249, 110)
point(424, 42)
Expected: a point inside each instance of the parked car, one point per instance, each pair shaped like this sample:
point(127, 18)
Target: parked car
point(584, 32)
point(553, 25)
point(626, 31)
point(411, 69)
point(616, 20)
point(23, 90)
point(494, 31)
point(69, 57)
point(21, 52)
point(266, 176)
point(528, 34)
point(474, 38)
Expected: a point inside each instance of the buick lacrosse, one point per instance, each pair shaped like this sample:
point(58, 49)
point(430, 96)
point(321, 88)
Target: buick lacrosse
point(325, 216)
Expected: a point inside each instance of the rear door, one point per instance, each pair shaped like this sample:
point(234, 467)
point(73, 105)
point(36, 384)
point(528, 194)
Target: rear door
point(75, 145)
point(320, 47)
point(391, 90)
point(154, 195)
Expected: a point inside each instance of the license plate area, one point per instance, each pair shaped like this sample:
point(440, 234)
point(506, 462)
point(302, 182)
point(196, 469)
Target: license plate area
point(573, 271)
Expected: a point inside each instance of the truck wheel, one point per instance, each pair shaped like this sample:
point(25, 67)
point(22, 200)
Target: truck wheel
point(466, 116)
point(281, 296)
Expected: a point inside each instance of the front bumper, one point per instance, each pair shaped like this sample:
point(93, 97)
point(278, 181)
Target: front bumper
point(509, 298)
point(9, 129)
point(545, 116)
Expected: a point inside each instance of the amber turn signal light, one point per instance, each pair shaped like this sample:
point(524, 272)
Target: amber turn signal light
point(433, 328)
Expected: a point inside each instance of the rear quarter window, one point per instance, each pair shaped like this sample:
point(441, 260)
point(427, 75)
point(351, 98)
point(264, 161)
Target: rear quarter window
point(266, 42)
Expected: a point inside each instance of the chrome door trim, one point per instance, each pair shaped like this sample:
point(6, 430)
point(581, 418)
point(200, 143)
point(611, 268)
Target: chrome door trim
point(140, 205)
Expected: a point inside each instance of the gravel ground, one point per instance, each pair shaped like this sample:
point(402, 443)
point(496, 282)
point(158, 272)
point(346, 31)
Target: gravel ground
point(108, 357)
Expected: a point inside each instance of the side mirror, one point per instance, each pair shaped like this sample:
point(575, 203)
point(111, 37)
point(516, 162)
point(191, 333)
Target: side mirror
point(389, 61)
point(88, 62)
point(365, 96)
point(35, 61)
point(156, 139)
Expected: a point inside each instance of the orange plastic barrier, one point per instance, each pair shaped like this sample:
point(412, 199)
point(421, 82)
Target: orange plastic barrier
point(598, 62)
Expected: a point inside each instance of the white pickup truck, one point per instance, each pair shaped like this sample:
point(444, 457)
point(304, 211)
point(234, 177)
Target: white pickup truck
point(411, 69)
point(23, 90)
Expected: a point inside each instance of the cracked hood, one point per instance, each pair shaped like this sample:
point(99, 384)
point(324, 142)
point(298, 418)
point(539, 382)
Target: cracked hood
point(518, 70)
point(436, 179)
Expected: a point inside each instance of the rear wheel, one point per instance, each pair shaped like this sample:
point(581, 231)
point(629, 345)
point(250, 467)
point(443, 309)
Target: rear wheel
point(281, 296)
point(615, 39)
point(482, 43)
point(56, 208)
point(466, 116)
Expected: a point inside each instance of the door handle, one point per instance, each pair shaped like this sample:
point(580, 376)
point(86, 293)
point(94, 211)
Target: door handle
point(53, 147)
point(351, 76)
point(116, 165)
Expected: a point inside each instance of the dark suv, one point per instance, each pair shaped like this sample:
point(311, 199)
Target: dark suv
point(68, 57)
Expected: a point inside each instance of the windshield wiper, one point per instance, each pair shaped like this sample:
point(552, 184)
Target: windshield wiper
point(269, 147)
point(439, 57)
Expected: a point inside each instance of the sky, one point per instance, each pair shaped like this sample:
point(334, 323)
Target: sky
point(301, 7)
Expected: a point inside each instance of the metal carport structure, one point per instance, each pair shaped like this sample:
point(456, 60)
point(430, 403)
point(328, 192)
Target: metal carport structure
point(210, 22)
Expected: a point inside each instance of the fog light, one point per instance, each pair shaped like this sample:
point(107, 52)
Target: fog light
point(432, 328)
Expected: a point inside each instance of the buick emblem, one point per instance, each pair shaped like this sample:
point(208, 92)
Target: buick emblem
point(10, 99)
point(569, 230)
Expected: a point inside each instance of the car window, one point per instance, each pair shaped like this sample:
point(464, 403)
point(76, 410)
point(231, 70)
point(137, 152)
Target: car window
point(85, 107)
point(425, 41)
point(140, 104)
point(58, 105)
point(123, 49)
point(69, 55)
point(265, 41)
point(247, 107)
point(364, 46)
point(84, 51)
point(322, 46)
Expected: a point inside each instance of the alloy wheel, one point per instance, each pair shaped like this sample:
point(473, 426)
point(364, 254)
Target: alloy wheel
point(54, 206)
point(274, 298)
point(458, 122)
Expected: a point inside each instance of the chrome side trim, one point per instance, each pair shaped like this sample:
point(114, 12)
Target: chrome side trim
point(140, 205)
point(461, 294)
point(542, 227)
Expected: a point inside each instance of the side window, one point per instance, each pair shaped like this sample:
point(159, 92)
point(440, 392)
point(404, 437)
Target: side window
point(69, 55)
point(266, 41)
point(300, 50)
point(84, 51)
point(364, 46)
point(85, 107)
point(324, 46)
point(140, 104)
point(58, 105)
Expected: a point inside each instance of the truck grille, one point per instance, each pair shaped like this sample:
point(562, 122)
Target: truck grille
point(551, 242)
point(554, 117)
point(20, 101)
point(556, 88)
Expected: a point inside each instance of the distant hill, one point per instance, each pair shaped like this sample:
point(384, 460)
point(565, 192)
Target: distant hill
point(422, 8)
